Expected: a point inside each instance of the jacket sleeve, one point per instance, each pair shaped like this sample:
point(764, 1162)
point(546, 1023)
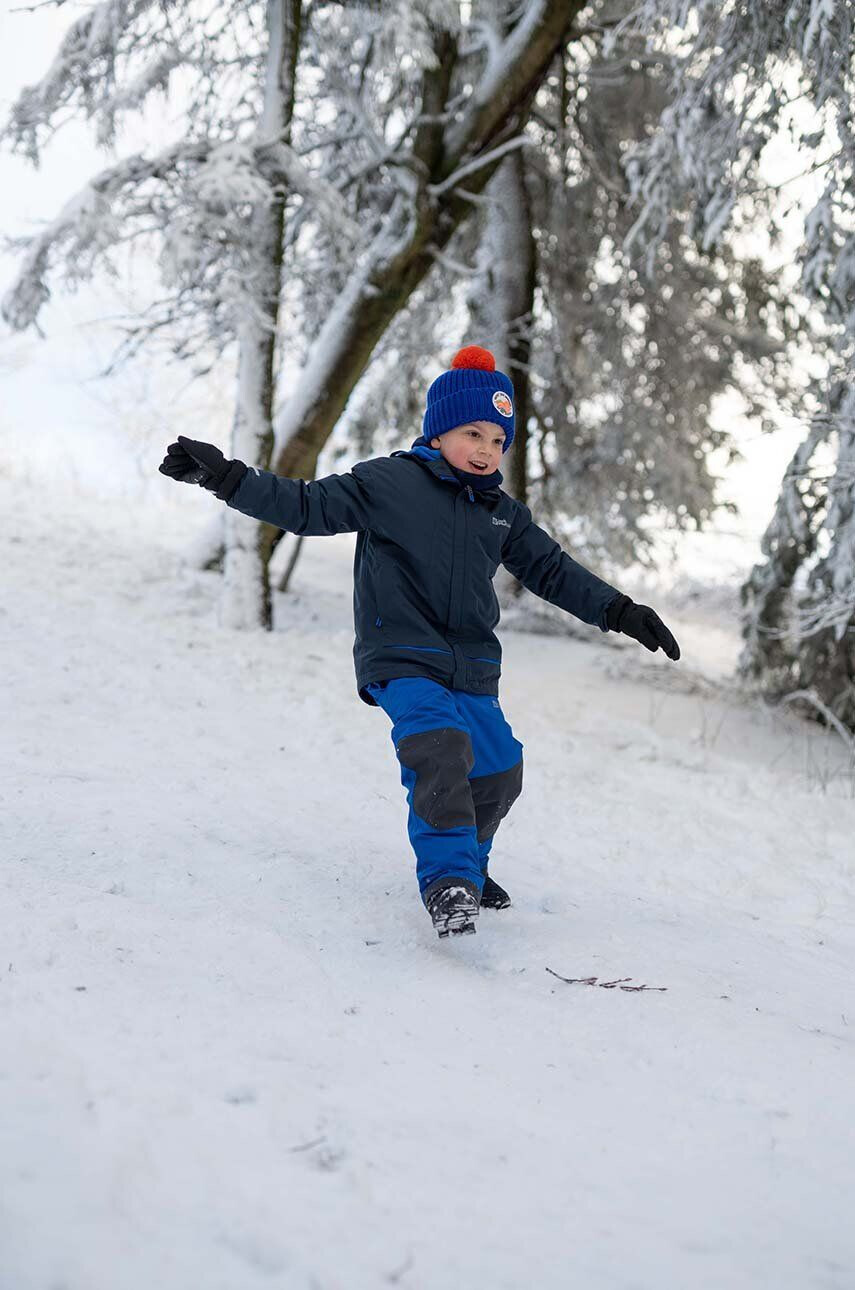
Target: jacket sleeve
point(335, 504)
point(540, 564)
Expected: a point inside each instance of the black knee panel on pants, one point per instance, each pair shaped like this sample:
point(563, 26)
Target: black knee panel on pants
point(493, 796)
point(442, 760)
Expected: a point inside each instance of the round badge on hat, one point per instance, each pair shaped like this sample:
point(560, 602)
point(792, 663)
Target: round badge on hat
point(502, 403)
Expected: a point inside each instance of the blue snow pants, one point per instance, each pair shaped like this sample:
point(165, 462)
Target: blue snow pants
point(461, 767)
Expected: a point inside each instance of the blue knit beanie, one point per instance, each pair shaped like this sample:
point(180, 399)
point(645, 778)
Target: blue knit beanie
point(471, 391)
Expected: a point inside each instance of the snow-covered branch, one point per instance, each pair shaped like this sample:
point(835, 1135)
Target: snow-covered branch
point(511, 75)
point(86, 227)
point(478, 163)
point(226, 180)
point(85, 60)
point(153, 76)
point(811, 697)
point(280, 163)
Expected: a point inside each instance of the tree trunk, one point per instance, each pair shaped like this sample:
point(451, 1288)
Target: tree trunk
point(246, 598)
point(447, 171)
point(518, 275)
point(501, 306)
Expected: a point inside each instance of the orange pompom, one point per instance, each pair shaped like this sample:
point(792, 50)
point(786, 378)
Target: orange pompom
point(474, 356)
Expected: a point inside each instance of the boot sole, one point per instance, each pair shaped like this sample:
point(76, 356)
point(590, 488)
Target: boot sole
point(457, 926)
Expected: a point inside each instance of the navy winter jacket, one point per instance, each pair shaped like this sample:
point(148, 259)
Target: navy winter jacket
point(428, 546)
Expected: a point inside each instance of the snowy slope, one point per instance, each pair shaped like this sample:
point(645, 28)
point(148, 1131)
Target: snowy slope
point(234, 1054)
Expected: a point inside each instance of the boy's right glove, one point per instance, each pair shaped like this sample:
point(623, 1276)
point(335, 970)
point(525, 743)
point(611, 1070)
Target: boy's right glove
point(193, 462)
point(641, 623)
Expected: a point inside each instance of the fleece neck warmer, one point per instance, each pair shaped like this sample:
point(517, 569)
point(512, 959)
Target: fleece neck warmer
point(478, 482)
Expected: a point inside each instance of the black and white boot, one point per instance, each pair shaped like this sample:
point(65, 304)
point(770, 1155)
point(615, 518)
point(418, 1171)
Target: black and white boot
point(493, 896)
point(452, 904)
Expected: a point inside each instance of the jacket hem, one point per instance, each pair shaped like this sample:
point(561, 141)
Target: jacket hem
point(395, 671)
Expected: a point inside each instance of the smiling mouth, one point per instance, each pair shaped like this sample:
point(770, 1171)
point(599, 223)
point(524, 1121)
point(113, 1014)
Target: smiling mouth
point(476, 465)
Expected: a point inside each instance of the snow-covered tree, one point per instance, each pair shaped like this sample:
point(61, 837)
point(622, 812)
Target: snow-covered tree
point(729, 99)
point(618, 371)
point(381, 123)
point(213, 198)
point(630, 368)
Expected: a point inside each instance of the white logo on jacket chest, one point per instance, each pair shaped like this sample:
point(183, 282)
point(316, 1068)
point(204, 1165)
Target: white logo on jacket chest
point(498, 521)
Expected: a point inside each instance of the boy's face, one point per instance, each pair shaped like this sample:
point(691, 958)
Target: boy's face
point(475, 446)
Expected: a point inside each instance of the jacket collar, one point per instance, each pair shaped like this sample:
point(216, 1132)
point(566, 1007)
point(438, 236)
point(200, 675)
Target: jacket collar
point(434, 461)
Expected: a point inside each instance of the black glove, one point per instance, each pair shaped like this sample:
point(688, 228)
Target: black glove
point(642, 623)
point(193, 462)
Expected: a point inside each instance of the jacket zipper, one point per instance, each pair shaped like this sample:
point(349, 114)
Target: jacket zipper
point(455, 616)
point(459, 552)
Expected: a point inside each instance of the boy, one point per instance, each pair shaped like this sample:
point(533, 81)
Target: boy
point(433, 526)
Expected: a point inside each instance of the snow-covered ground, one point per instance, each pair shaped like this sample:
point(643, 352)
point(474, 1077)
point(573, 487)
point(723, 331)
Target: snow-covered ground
point(233, 1053)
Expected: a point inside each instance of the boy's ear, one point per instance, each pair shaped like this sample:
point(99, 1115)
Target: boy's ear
point(434, 443)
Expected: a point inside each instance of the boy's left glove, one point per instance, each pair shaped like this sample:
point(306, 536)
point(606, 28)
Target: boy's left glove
point(641, 623)
point(192, 462)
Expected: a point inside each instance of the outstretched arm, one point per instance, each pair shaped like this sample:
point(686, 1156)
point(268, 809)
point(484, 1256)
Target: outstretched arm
point(540, 564)
point(335, 504)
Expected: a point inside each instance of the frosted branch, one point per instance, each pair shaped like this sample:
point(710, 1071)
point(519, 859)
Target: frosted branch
point(478, 163)
point(92, 38)
point(153, 76)
point(324, 198)
point(85, 225)
point(809, 696)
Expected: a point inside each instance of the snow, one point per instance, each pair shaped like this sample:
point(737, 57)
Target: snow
point(233, 1053)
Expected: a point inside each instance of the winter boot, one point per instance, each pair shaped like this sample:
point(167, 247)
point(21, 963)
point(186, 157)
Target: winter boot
point(493, 896)
point(452, 904)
